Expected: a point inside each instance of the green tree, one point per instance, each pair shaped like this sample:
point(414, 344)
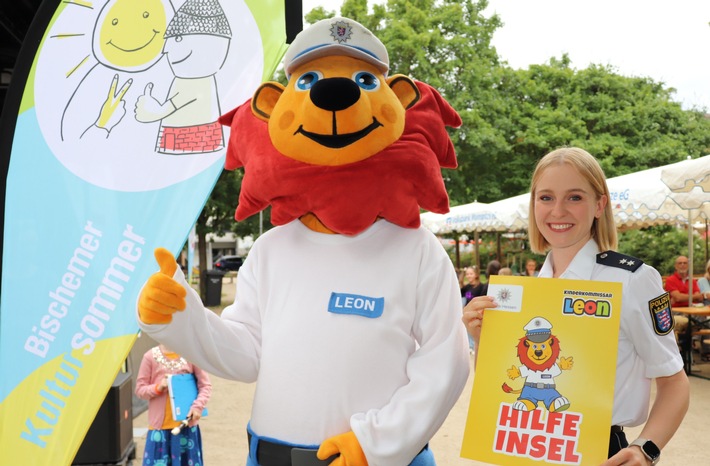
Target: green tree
point(629, 124)
point(659, 246)
point(513, 117)
point(447, 44)
point(217, 217)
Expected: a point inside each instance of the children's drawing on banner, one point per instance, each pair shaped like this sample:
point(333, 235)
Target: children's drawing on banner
point(127, 39)
point(196, 45)
point(121, 83)
point(541, 363)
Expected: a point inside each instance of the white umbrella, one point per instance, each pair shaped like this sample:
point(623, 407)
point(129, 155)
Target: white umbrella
point(472, 217)
point(638, 200)
point(512, 212)
point(642, 199)
point(689, 182)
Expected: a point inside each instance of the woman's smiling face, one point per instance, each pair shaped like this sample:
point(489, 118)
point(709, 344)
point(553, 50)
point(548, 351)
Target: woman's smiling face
point(565, 207)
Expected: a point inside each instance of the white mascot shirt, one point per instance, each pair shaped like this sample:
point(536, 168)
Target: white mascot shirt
point(339, 333)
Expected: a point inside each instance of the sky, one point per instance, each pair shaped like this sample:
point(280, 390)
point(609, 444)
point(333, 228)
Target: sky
point(666, 41)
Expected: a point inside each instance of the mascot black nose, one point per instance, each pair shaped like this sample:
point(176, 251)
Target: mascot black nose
point(335, 94)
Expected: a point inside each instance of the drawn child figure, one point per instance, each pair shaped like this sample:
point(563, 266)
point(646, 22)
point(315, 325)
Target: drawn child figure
point(127, 40)
point(162, 446)
point(196, 46)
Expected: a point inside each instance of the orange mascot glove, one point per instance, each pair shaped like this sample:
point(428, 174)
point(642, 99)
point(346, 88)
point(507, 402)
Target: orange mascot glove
point(347, 445)
point(162, 296)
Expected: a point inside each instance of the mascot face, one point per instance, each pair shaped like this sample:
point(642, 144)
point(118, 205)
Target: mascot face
point(335, 110)
point(341, 142)
point(538, 356)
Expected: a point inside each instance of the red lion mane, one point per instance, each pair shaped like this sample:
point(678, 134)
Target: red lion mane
point(529, 363)
point(392, 184)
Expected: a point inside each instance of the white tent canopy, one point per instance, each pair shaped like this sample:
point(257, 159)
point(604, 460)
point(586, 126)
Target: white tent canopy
point(512, 212)
point(475, 216)
point(643, 199)
point(638, 200)
point(689, 182)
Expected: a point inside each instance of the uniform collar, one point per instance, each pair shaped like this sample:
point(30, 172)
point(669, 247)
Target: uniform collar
point(580, 268)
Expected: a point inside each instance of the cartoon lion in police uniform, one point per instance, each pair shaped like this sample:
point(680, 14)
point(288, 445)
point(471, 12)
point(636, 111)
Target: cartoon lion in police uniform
point(539, 353)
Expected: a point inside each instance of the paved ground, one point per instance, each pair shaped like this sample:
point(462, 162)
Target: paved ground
point(224, 435)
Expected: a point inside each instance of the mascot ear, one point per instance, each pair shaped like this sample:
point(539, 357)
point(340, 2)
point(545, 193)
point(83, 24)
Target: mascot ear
point(265, 98)
point(404, 88)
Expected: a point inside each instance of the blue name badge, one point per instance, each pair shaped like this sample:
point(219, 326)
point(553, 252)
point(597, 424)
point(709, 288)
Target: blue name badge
point(345, 303)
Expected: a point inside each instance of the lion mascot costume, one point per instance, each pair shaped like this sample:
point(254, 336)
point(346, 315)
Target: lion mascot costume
point(347, 313)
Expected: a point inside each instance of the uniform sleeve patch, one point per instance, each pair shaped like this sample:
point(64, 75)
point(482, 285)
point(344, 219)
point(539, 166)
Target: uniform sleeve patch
point(661, 315)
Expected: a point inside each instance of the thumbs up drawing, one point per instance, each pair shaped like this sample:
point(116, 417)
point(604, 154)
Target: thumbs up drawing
point(149, 109)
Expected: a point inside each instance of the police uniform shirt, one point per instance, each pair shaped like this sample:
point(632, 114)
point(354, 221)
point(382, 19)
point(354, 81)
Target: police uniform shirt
point(643, 354)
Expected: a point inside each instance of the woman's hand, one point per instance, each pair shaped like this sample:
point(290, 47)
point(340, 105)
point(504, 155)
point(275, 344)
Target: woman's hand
point(631, 456)
point(473, 315)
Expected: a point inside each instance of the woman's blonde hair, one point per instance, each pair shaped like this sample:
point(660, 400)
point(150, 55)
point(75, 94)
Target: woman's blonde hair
point(603, 228)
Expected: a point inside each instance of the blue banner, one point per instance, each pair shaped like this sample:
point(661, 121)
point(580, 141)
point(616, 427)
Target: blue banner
point(116, 148)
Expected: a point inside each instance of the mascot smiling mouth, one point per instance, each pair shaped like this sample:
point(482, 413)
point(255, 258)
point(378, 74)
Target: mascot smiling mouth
point(336, 141)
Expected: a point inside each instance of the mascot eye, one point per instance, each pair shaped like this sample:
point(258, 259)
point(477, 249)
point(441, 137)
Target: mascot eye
point(367, 81)
point(307, 80)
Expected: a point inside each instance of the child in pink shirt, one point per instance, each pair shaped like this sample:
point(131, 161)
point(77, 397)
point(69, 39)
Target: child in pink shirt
point(163, 447)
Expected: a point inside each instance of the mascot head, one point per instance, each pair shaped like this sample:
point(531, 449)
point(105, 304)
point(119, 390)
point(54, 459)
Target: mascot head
point(338, 106)
point(538, 349)
point(342, 141)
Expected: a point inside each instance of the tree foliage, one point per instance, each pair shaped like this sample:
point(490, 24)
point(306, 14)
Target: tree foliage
point(659, 246)
point(628, 123)
point(511, 117)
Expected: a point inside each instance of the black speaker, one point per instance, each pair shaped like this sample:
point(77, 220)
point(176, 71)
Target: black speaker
point(110, 437)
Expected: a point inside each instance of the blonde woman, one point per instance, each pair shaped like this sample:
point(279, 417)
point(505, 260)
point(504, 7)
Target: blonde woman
point(571, 220)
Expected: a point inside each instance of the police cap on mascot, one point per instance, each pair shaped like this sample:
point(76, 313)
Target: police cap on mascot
point(347, 313)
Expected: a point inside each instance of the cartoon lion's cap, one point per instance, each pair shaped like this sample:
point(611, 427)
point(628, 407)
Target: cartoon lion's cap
point(538, 330)
point(336, 36)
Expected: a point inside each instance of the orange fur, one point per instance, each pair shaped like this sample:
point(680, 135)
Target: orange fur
point(529, 363)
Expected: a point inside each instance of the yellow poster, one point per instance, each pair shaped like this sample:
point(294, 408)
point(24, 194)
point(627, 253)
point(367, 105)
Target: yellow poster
point(543, 389)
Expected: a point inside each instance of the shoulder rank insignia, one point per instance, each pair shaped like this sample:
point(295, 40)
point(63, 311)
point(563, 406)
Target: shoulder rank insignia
point(621, 261)
point(661, 315)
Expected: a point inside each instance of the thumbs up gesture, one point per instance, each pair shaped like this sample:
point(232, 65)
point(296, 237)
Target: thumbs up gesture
point(162, 296)
point(149, 109)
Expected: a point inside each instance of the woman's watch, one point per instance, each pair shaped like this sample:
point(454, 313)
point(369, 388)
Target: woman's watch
point(649, 449)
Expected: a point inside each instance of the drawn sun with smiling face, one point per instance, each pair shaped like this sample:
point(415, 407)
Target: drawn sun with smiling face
point(128, 34)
